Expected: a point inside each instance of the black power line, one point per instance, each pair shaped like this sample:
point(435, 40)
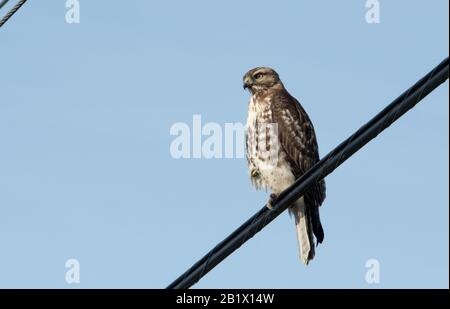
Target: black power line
point(3, 2)
point(11, 12)
point(324, 167)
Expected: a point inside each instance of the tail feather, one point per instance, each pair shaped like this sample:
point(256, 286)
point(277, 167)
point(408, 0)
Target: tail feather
point(316, 225)
point(304, 228)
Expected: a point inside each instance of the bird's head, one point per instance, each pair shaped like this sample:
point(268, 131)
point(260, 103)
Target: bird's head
point(261, 79)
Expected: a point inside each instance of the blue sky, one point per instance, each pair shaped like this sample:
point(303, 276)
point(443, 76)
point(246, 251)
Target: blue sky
point(85, 164)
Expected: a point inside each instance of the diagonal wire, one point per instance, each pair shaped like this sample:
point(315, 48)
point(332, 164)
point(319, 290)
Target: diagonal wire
point(11, 12)
point(321, 169)
point(3, 2)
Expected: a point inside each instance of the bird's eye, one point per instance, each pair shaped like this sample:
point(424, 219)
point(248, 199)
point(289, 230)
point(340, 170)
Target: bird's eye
point(258, 76)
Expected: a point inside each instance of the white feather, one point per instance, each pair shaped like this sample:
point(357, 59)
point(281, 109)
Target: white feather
point(302, 228)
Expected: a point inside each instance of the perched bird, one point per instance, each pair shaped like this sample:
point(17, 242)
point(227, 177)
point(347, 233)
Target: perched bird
point(281, 147)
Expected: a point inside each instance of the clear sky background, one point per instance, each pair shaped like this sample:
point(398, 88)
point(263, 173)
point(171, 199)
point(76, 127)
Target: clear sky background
point(86, 170)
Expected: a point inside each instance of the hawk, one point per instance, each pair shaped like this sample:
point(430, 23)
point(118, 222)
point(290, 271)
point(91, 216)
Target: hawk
point(281, 146)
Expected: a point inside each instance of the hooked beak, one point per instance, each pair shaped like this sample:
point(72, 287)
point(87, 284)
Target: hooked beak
point(248, 82)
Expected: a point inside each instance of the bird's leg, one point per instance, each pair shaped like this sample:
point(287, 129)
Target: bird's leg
point(255, 173)
point(272, 199)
